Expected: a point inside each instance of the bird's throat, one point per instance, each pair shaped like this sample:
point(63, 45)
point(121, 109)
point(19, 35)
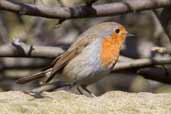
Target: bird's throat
point(109, 53)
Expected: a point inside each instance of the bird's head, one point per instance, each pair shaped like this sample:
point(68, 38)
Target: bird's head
point(112, 40)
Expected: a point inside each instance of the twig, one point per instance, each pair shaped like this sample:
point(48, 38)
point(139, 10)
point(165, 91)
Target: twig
point(82, 11)
point(161, 50)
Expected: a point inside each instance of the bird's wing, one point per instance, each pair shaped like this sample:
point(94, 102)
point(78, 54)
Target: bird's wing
point(36, 76)
point(59, 62)
point(52, 63)
point(72, 52)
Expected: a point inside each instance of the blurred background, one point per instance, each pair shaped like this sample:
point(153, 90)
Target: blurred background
point(47, 32)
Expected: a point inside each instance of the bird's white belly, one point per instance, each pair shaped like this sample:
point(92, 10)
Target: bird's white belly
point(92, 78)
point(82, 73)
point(85, 68)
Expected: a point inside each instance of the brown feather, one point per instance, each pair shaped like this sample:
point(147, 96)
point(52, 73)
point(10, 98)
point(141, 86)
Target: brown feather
point(73, 51)
point(58, 63)
point(33, 77)
point(52, 63)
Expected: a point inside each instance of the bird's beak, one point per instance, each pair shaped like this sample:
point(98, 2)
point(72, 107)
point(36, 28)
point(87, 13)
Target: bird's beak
point(130, 35)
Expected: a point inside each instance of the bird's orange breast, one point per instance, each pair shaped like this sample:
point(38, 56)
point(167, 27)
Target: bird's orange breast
point(109, 51)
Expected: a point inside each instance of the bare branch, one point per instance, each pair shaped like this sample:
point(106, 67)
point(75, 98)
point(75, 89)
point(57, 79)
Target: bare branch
point(31, 65)
point(3, 31)
point(83, 11)
point(159, 73)
point(20, 49)
point(134, 64)
point(165, 20)
point(140, 63)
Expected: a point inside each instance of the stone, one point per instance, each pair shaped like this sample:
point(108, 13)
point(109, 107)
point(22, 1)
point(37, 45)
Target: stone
point(62, 102)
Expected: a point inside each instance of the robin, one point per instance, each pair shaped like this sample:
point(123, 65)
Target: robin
point(90, 58)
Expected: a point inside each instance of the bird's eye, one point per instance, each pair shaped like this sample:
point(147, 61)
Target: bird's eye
point(117, 30)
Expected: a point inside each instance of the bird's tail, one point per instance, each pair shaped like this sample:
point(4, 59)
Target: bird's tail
point(33, 77)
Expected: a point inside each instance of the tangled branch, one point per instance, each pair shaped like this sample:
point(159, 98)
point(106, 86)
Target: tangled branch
point(83, 11)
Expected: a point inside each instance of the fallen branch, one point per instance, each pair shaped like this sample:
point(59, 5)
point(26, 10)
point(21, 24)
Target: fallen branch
point(83, 11)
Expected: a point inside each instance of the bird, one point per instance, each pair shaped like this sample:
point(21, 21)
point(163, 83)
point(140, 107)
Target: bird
point(92, 56)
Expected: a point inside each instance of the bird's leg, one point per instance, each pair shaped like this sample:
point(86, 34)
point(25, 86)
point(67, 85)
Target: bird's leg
point(84, 87)
point(77, 87)
point(79, 90)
